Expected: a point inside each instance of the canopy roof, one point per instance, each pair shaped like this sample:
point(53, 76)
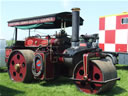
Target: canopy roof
point(44, 22)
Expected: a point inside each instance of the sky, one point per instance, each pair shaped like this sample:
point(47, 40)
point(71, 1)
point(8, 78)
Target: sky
point(90, 11)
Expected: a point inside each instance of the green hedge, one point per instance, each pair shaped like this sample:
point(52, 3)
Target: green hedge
point(9, 42)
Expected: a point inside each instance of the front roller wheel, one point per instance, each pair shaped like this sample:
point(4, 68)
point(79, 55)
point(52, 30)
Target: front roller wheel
point(99, 70)
point(19, 65)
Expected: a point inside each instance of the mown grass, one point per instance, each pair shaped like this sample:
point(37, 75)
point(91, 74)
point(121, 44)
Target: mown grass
point(59, 87)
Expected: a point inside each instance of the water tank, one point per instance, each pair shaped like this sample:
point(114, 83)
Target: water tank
point(2, 52)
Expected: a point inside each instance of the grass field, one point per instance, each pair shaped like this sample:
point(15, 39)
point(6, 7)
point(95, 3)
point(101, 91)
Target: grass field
point(59, 87)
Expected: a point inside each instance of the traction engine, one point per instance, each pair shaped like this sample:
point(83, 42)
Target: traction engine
point(59, 55)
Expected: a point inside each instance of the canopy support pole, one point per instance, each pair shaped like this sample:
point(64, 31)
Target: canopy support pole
point(29, 33)
point(15, 34)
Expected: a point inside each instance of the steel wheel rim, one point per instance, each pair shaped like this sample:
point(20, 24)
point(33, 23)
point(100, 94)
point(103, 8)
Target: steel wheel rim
point(88, 87)
point(17, 67)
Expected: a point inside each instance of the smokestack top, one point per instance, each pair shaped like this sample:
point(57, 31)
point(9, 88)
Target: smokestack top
point(75, 9)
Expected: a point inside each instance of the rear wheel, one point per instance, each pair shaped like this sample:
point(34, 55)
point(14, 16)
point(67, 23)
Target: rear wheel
point(99, 70)
point(19, 65)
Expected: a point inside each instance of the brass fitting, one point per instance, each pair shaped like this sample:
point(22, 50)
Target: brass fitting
point(75, 9)
point(17, 67)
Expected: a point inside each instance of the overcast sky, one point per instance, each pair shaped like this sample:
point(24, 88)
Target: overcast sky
point(90, 12)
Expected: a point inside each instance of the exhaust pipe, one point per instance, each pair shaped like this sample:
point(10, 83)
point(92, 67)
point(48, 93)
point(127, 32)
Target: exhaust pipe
point(75, 27)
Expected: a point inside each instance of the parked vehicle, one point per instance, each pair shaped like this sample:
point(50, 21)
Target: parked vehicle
point(48, 57)
point(113, 37)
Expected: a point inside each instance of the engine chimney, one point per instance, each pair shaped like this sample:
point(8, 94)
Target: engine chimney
point(75, 27)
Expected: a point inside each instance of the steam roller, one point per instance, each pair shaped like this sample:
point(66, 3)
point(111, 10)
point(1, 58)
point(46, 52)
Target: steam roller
point(52, 56)
point(19, 65)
